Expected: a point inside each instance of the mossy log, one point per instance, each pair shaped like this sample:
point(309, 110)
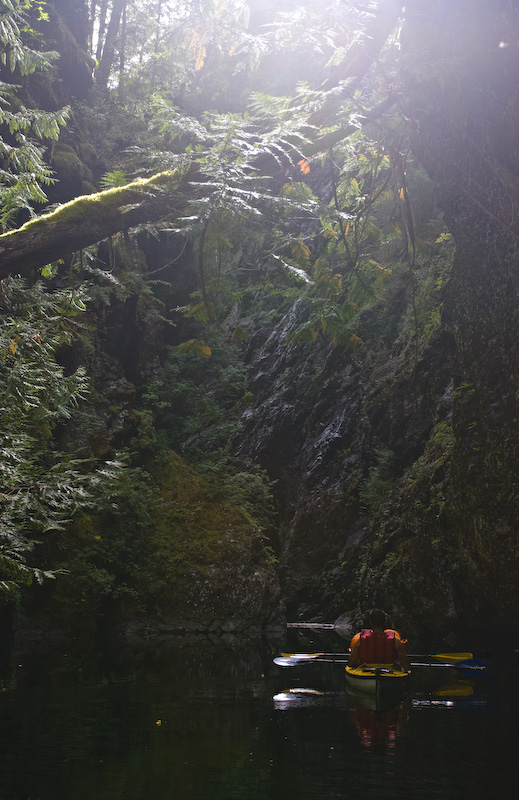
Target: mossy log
point(89, 219)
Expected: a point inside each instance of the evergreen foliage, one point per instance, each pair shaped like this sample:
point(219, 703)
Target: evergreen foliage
point(23, 131)
point(41, 488)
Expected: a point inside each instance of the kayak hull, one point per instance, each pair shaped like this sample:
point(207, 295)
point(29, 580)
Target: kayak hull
point(373, 677)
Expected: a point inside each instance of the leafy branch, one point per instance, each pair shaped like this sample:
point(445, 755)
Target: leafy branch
point(23, 171)
point(41, 489)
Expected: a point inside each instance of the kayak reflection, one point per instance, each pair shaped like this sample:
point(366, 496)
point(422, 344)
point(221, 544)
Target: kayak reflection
point(378, 730)
point(381, 717)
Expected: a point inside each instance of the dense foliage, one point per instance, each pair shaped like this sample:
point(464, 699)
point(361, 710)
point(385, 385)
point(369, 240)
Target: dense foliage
point(290, 210)
point(238, 152)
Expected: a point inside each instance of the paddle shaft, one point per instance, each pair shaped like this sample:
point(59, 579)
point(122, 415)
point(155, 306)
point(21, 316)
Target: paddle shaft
point(420, 657)
point(294, 661)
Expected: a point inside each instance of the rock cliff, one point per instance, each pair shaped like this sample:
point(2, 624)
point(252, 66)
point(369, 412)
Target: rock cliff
point(397, 471)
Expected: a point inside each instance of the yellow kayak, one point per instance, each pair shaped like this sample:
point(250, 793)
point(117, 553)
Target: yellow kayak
point(369, 677)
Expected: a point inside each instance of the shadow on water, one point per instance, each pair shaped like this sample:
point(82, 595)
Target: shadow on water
point(214, 719)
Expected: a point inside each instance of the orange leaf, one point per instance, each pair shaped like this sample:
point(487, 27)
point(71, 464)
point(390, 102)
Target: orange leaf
point(200, 58)
point(304, 166)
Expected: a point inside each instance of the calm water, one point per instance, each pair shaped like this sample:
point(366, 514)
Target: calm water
point(219, 722)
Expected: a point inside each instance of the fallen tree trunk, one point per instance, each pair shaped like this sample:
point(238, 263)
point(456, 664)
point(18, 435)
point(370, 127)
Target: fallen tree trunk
point(87, 220)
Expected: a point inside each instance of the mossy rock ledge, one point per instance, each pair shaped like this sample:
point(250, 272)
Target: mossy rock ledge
point(199, 568)
point(206, 567)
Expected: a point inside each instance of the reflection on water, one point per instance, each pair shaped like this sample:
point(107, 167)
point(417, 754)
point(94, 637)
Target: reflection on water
point(379, 730)
point(219, 721)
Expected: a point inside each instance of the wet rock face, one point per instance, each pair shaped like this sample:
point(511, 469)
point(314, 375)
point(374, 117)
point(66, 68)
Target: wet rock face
point(336, 430)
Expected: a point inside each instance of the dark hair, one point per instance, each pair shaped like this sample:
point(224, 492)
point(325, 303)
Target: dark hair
point(377, 618)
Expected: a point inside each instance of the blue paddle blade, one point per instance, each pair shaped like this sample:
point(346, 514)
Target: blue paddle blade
point(474, 667)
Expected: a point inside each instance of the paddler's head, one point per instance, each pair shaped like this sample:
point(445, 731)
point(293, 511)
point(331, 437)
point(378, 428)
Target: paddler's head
point(377, 619)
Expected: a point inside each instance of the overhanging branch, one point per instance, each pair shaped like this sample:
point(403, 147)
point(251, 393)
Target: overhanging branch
point(87, 220)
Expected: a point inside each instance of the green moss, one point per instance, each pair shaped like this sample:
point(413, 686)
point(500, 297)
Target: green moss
point(188, 525)
point(96, 205)
point(379, 484)
point(64, 154)
point(201, 548)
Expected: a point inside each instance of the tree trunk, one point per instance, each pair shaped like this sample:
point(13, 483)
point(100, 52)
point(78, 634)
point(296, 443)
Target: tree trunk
point(156, 45)
point(358, 60)
point(102, 27)
point(157, 22)
point(122, 51)
point(103, 71)
point(87, 220)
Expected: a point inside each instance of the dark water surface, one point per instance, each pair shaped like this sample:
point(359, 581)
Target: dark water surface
point(218, 722)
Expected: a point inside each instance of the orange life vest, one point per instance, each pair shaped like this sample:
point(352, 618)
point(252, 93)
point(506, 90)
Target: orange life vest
point(376, 647)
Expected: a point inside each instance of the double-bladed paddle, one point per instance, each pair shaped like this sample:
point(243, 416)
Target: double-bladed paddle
point(344, 656)
point(459, 661)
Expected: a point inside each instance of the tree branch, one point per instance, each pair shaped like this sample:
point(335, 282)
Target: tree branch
point(87, 220)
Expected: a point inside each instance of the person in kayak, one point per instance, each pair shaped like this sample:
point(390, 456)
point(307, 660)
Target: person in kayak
point(378, 644)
